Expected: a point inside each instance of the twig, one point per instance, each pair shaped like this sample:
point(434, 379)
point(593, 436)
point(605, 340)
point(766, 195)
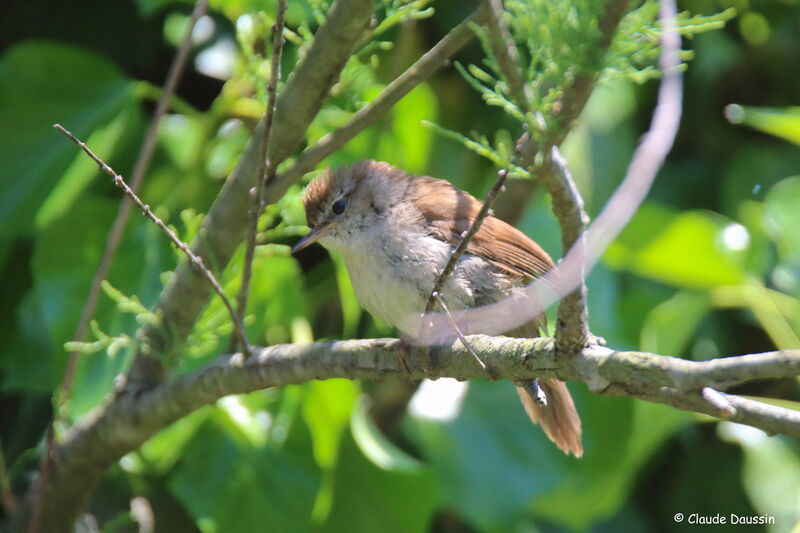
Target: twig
point(196, 260)
point(724, 407)
point(266, 168)
point(423, 68)
point(647, 159)
point(225, 225)
point(42, 481)
point(112, 244)
point(461, 337)
point(572, 326)
point(139, 169)
point(505, 50)
point(465, 240)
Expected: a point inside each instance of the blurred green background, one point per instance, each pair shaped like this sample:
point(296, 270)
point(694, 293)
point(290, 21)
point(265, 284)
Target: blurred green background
point(710, 266)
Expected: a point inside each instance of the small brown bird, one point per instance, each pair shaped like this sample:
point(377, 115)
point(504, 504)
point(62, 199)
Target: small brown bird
point(397, 231)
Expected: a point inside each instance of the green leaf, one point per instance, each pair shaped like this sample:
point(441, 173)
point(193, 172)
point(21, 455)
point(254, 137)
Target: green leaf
point(782, 216)
point(368, 498)
point(498, 470)
point(783, 122)
point(771, 474)
point(693, 249)
point(326, 411)
point(376, 447)
point(65, 257)
point(42, 83)
point(669, 327)
point(228, 483)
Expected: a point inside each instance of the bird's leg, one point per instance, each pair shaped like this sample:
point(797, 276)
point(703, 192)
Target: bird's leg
point(535, 390)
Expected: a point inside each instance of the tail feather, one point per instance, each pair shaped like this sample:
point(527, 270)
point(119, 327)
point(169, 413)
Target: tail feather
point(559, 418)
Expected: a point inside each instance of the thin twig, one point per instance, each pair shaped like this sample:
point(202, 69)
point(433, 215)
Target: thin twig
point(458, 331)
point(465, 240)
point(42, 479)
point(225, 226)
point(647, 160)
point(266, 169)
point(572, 329)
point(724, 407)
point(139, 169)
point(505, 50)
point(196, 260)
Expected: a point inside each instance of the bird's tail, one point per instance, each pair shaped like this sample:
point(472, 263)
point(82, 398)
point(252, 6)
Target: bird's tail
point(549, 404)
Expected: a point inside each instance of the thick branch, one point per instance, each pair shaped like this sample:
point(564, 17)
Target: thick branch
point(123, 425)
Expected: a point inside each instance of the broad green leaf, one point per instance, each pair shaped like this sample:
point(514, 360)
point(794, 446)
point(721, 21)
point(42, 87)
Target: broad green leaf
point(351, 309)
point(82, 170)
point(693, 249)
point(159, 454)
point(409, 143)
point(498, 470)
point(368, 498)
point(376, 447)
point(65, 257)
point(771, 474)
point(782, 217)
point(783, 122)
point(669, 327)
point(227, 483)
point(42, 83)
point(326, 410)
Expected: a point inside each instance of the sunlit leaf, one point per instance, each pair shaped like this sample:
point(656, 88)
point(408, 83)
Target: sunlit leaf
point(782, 122)
point(42, 83)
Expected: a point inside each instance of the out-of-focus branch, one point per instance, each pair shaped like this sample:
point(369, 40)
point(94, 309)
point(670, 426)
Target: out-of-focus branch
point(266, 168)
point(182, 300)
point(465, 240)
point(647, 160)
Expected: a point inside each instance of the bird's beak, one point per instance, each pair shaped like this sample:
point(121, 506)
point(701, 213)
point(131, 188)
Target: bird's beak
point(313, 236)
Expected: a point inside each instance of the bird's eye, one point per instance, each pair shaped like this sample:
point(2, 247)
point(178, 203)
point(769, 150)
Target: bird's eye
point(338, 207)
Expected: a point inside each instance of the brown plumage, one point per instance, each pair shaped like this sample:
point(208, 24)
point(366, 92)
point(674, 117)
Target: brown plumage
point(383, 203)
point(520, 257)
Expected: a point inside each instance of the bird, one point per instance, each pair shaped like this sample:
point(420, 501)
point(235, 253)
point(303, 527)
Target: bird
point(396, 231)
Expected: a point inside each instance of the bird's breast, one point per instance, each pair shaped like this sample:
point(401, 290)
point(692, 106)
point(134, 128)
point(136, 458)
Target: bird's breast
point(393, 276)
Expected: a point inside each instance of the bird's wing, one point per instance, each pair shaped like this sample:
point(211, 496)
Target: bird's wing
point(510, 250)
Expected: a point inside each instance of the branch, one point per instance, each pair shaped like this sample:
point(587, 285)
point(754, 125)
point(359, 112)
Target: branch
point(266, 168)
point(572, 326)
point(572, 103)
point(194, 259)
point(182, 300)
point(124, 425)
point(421, 70)
point(568, 276)
point(137, 176)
